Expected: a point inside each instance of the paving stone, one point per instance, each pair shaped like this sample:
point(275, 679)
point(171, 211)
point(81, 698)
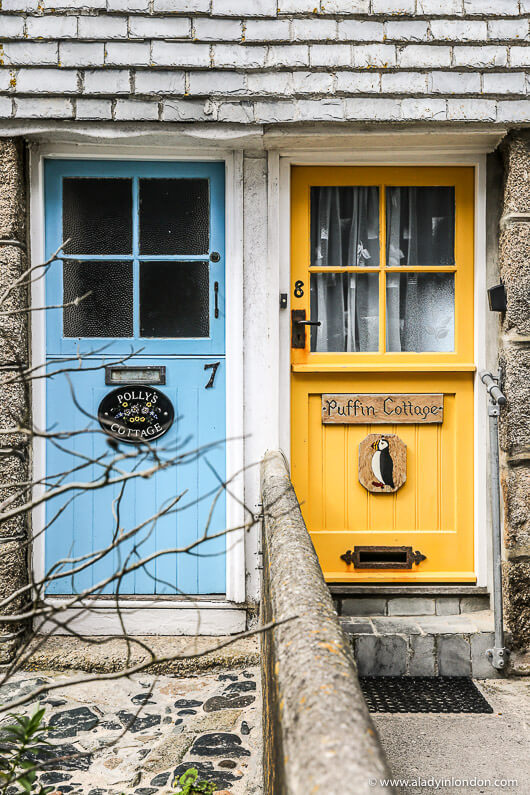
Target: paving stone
point(139, 722)
point(187, 712)
point(381, 656)
point(206, 771)
point(448, 606)
point(411, 606)
point(357, 628)
point(396, 626)
point(453, 654)
point(142, 698)
point(480, 665)
point(422, 657)
point(227, 677)
point(219, 744)
point(187, 702)
point(230, 701)
point(363, 607)
point(160, 780)
point(72, 721)
point(240, 687)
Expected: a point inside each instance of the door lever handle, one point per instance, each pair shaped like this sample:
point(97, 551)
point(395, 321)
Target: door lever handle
point(308, 323)
point(216, 297)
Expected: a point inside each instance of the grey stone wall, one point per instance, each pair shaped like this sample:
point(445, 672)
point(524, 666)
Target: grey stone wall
point(14, 451)
point(514, 261)
point(318, 734)
point(265, 61)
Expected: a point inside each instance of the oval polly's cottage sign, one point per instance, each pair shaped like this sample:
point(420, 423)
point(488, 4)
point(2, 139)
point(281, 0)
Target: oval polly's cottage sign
point(136, 414)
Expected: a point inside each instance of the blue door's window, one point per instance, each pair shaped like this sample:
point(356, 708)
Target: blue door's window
point(174, 216)
point(106, 289)
point(174, 299)
point(97, 216)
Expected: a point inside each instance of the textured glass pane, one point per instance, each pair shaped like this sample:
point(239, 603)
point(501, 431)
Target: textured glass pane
point(420, 226)
point(420, 310)
point(174, 216)
point(97, 216)
point(174, 299)
point(347, 305)
point(345, 226)
point(108, 310)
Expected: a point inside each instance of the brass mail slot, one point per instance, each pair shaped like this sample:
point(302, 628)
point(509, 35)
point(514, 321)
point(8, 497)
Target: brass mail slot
point(382, 557)
point(151, 374)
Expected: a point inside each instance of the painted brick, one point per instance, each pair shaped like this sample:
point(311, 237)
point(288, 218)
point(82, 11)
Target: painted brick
point(155, 82)
point(20, 5)
point(129, 5)
point(427, 109)
point(135, 109)
point(369, 56)
point(321, 109)
point(314, 29)
point(331, 55)
point(72, 5)
point(376, 109)
point(312, 82)
point(411, 30)
point(93, 109)
point(404, 83)
point(358, 82)
point(360, 30)
point(288, 55)
point(236, 8)
point(275, 112)
point(6, 107)
point(11, 27)
point(472, 109)
point(186, 110)
point(440, 7)
point(298, 6)
point(513, 111)
point(520, 56)
point(268, 30)
point(480, 57)
point(79, 54)
point(102, 28)
point(30, 53)
point(239, 56)
point(48, 27)
point(236, 112)
point(43, 108)
point(126, 53)
point(47, 81)
point(424, 56)
point(182, 7)
point(525, 6)
point(166, 53)
point(271, 83)
point(505, 29)
point(212, 82)
point(156, 28)
point(459, 30)
point(107, 81)
point(345, 6)
point(454, 83)
point(504, 83)
point(393, 6)
point(497, 7)
point(6, 78)
point(217, 29)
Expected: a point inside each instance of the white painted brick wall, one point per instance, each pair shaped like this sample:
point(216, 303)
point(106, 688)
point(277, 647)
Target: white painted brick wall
point(30, 53)
point(43, 108)
point(480, 57)
point(429, 109)
point(410, 30)
point(321, 109)
point(109, 81)
point(404, 83)
point(271, 83)
point(312, 82)
point(345, 6)
point(331, 55)
point(93, 109)
point(454, 83)
point(290, 55)
point(242, 57)
point(11, 27)
point(59, 27)
point(393, 6)
point(371, 56)
point(166, 53)
point(275, 112)
point(374, 109)
point(20, 5)
point(498, 7)
point(471, 109)
point(6, 77)
point(79, 54)
point(459, 30)
point(515, 111)
point(52, 81)
point(153, 28)
point(358, 82)
point(135, 110)
point(129, 5)
point(218, 29)
point(360, 30)
point(424, 56)
point(150, 82)
point(217, 83)
point(185, 110)
point(242, 8)
point(441, 7)
point(505, 29)
point(505, 83)
point(314, 29)
point(520, 56)
point(267, 30)
point(102, 28)
point(6, 106)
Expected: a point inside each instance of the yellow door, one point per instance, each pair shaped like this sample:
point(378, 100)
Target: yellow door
point(382, 261)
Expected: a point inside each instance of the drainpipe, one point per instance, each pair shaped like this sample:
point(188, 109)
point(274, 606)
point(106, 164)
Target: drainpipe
point(498, 656)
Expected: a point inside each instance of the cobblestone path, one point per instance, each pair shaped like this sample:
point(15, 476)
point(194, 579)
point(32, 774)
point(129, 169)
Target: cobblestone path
point(137, 734)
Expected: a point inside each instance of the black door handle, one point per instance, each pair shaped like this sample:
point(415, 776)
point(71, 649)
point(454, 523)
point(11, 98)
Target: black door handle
point(216, 296)
point(308, 323)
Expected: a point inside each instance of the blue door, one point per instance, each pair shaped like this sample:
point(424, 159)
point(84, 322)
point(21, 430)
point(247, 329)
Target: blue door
point(139, 291)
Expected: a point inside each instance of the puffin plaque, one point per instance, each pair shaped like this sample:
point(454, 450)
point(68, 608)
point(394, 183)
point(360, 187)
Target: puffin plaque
point(136, 414)
point(382, 463)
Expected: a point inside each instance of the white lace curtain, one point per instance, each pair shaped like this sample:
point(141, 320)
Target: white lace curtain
point(345, 232)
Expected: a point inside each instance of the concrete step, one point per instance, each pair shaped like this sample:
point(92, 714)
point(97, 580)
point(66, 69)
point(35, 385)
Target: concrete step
point(398, 600)
point(422, 645)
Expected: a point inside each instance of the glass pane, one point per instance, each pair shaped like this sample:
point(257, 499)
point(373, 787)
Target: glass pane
point(97, 216)
point(420, 312)
point(345, 227)
point(108, 310)
point(347, 305)
point(420, 226)
point(174, 216)
point(174, 299)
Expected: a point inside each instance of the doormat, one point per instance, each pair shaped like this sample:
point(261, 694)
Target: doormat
point(423, 694)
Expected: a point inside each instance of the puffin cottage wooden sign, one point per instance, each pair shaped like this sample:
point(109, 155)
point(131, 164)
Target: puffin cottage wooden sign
point(382, 408)
point(382, 463)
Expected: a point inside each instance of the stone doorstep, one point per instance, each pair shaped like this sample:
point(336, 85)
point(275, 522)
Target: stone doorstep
point(428, 601)
point(422, 645)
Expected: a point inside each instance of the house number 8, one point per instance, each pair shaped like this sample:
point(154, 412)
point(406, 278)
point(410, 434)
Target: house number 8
point(298, 291)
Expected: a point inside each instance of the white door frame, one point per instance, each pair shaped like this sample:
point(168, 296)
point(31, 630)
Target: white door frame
point(393, 154)
point(157, 615)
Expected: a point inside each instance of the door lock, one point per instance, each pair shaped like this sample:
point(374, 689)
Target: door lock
point(215, 256)
point(299, 323)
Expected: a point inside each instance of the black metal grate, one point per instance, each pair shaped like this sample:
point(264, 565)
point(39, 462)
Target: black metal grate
point(422, 694)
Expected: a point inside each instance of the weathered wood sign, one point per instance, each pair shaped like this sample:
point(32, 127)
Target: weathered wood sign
point(382, 463)
point(382, 408)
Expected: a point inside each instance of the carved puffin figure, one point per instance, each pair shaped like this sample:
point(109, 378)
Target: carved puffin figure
point(382, 464)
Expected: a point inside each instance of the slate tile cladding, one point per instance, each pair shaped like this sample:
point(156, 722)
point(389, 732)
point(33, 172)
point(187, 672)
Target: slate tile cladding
point(281, 60)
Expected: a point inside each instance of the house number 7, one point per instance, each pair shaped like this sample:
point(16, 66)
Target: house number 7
point(213, 367)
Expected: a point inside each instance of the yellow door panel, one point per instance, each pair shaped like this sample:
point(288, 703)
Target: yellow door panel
point(433, 511)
